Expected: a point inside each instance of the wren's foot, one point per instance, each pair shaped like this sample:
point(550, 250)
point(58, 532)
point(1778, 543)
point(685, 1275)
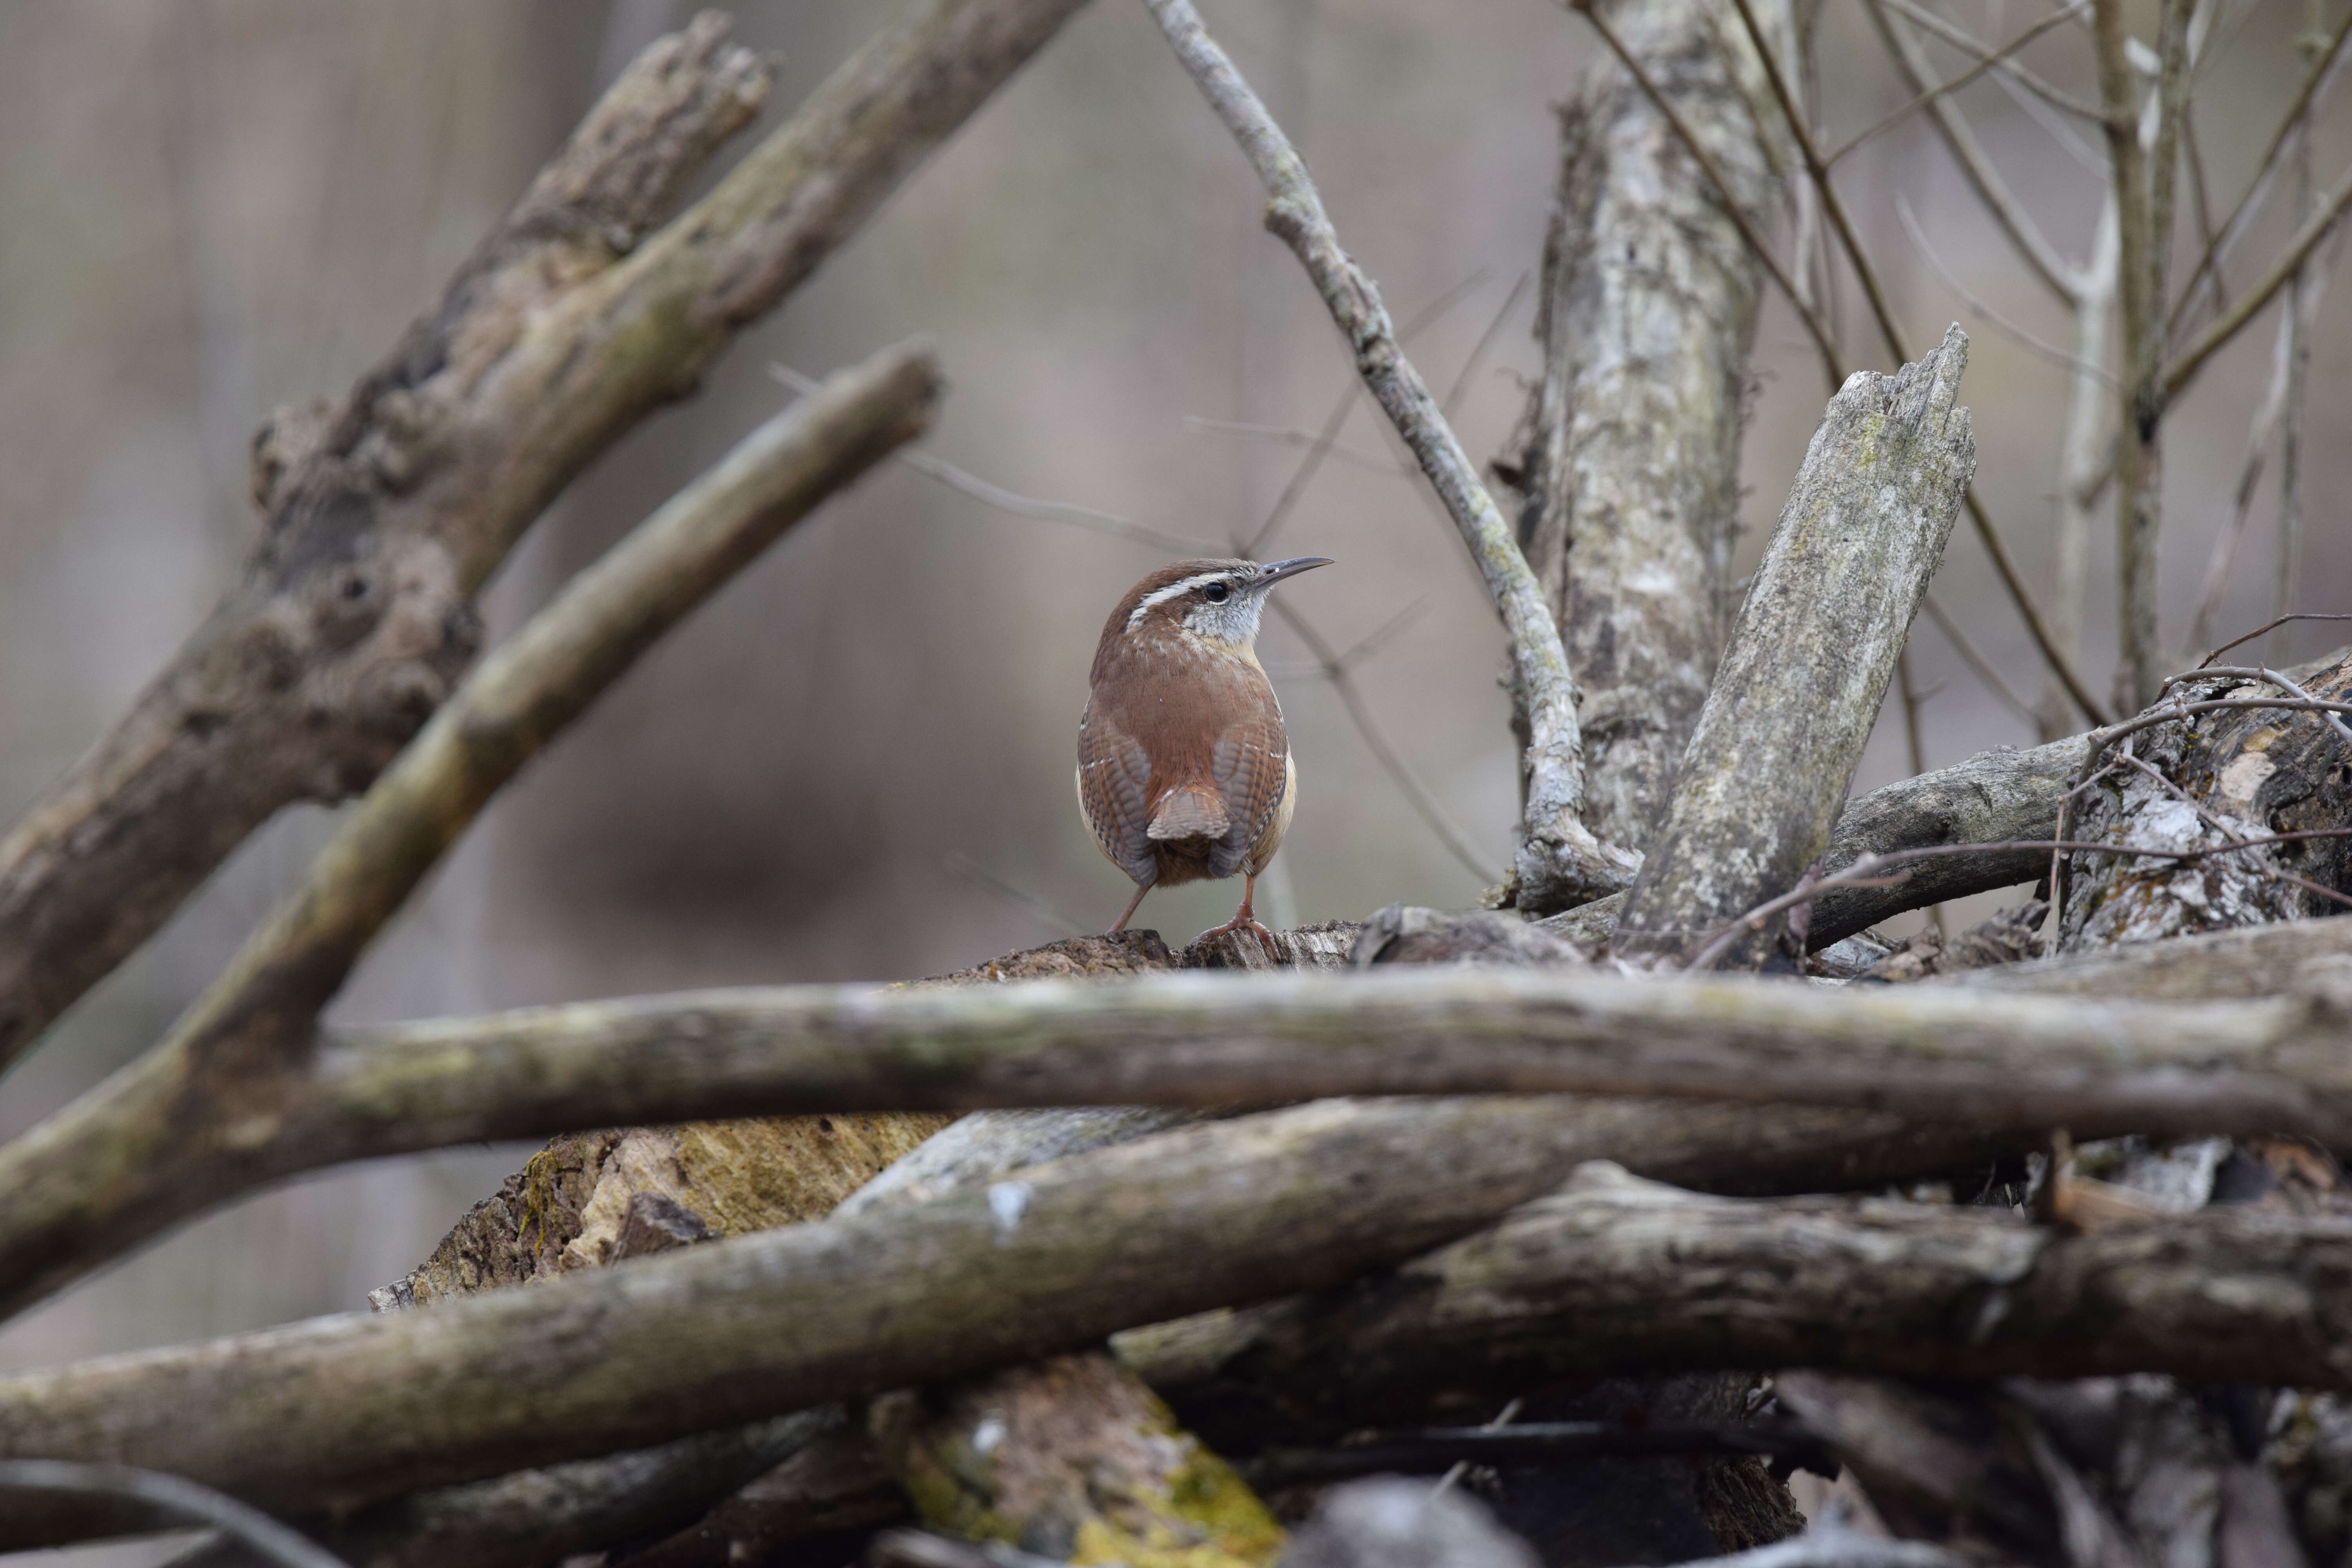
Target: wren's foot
point(1248, 922)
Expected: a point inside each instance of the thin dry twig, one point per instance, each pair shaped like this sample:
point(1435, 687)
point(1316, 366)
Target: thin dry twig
point(1983, 64)
point(174, 1496)
point(1850, 241)
point(1559, 862)
point(1978, 664)
point(2241, 215)
point(2008, 71)
point(1986, 313)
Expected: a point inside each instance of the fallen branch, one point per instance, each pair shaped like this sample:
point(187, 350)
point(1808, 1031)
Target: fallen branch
point(1973, 1060)
point(122, 1163)
point(1615, 1274)
point(338, 1411)
point(1809, 659)
point(1559, 862)
point(169, 1500)
point(575, 320)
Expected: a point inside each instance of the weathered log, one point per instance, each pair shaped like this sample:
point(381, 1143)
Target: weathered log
point(127, 1159)
point(1613, 1273)
point(2243, 773)
point(1810, 655)
point(2001, 796)
point(1628, 456)
point(574, 320)
point(338, 1411)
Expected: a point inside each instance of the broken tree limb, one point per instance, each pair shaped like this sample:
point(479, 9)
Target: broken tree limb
point(1629, 455)
point(1559, 862)
point(1613, 1273)
point(114, 1167)
point(1810, 657)
point(354, 620)
point(1998, 795)
point(338, 1411)
point(575, 320)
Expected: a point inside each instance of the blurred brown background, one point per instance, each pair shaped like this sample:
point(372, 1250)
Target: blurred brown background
point(208, 207)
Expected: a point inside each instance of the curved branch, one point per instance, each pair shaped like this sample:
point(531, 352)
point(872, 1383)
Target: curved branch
point(114, 1167)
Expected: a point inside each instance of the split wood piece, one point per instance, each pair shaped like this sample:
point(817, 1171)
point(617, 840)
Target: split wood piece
point(1810, 656)
point(2309, 957)
point(1613, 1273)
point(122, 1163)
point(574, 320)
point(1628, 455)
point(2002, 795)
point(2244, 774)
point(338, 1411)
point(1559, 862)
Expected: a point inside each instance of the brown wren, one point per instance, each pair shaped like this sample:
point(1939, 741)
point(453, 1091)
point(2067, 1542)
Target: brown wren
point(1185, 771)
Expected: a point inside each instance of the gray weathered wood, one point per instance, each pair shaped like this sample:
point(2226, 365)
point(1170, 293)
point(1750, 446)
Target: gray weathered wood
point(1810, 655)
point(338, 1411)
point(1629, 466)
point(118, 1164)
point(579, 316)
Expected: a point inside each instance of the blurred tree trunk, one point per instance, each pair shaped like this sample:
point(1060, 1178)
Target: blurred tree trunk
point(1628, 455)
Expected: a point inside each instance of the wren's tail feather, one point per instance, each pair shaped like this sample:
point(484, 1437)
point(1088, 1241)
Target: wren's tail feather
point(1196, 810)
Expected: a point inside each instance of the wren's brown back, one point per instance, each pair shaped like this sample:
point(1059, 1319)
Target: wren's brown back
point(1183, 766)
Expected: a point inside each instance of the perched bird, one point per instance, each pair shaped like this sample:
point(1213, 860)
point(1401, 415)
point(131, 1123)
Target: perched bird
point(1184, 771)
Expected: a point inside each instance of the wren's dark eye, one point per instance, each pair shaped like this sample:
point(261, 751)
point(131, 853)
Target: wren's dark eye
point(1216, 592)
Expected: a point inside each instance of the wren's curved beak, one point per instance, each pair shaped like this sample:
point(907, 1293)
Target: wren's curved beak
point(1274, 572)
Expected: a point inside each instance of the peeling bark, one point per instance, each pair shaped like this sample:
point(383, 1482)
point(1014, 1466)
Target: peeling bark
point(2242, 773)
point(1629, 455)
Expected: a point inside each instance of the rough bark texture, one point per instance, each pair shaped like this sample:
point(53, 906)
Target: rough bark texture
point(342, 1410)
point(574, 320)
point(1613, 1274)
point(1809, 659)
point(2313, 958)
point(118, 1164)
point(1630, 461)
point(1999, 796)
point(2243, 773)
point(354, 617)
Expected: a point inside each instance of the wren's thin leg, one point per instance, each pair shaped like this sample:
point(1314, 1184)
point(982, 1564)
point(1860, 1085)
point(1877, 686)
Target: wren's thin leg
point(1246, 919)
point(1132, 905)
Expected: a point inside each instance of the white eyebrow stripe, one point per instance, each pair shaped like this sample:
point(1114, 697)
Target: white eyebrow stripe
point(1173, 591)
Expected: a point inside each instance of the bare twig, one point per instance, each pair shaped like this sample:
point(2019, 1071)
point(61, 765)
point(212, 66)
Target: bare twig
point(1976, 661)
point(1291, 435)
point(1927, 96)
point(1835, 206)
point(101, 1174)
point(1335, 669)
point(1985, 312)
point(1454, 394)
point(2297, 317)
point(2226, 544)
point(2233, 226)
point(2184, 366)
point(2006, 71)
point(581, 314)
point(1324, 441)
point(1560, 861)
point(2271, 626)
point(180, 1501)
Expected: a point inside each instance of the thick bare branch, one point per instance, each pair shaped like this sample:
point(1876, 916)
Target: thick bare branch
point(110, 1169)
point(1559, 863)
point(354, 620)
point(1631, 441)
point(1613, 1273)
point(1810, 656)
point(337, 1411)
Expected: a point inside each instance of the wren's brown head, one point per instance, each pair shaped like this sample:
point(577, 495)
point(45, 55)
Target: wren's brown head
point(1212, 605)
point(1184, 769)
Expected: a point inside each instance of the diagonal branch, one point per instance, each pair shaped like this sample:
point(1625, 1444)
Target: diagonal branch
point(576, 319)
point(1560, 861)
point(113, 1167)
